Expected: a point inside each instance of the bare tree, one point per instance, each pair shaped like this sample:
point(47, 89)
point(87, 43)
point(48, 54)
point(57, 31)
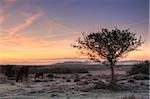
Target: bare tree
point(108, 46)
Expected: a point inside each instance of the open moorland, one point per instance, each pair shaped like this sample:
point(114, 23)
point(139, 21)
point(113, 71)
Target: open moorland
point(75, 80)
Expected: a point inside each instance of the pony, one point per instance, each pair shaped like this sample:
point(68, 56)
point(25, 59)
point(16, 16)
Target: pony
point(22, 73)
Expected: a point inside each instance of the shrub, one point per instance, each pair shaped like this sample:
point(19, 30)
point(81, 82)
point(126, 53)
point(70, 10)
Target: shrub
point(141, 68)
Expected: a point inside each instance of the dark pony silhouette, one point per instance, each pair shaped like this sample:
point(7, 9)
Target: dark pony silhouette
point(38, 75)
point(22, 73)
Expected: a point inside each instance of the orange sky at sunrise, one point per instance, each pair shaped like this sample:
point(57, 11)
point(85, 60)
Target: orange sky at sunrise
point(32, 31)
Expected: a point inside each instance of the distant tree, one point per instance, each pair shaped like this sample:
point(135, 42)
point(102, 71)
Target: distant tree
point(108, 46)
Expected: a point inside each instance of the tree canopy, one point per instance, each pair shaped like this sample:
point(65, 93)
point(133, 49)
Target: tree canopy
point(109, 45)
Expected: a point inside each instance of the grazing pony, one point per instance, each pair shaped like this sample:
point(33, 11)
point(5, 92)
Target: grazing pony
point(22, 73)
point(38, 75)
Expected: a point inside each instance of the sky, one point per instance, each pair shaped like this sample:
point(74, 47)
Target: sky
point(43, 30)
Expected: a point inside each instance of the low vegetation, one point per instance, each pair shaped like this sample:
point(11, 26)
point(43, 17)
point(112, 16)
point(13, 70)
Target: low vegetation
point(11, 70)
point(131, 97)
point(66, 70)
point(8, 70)
point(141, 68)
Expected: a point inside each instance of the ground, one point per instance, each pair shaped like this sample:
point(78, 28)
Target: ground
point(62, 86)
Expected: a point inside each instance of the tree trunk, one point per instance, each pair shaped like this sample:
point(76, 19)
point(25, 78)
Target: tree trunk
point(113, 81)
point(112, 73)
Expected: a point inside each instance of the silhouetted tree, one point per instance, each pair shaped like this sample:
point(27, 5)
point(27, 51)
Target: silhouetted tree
point(108, 46)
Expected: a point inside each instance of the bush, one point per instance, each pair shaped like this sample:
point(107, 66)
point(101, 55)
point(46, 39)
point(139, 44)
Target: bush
point(142, 68)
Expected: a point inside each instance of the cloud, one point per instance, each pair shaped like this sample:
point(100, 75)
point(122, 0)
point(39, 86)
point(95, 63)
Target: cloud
point(26, 23)
point(57, 30)
point(18, 46)
point(53, 26)
point(5, 6)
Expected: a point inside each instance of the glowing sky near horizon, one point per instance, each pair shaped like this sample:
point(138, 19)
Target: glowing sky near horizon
point(33, 30)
